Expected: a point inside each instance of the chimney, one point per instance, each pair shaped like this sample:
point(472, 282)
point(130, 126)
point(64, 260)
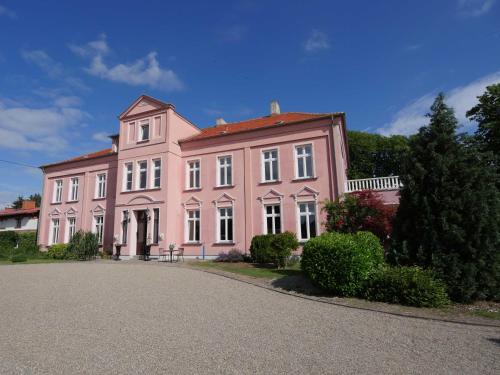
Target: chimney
point(275, 108)
point(220, 121)
point(28, 205)
point(115, 139)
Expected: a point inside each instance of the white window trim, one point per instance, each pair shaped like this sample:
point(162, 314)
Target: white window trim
point(51, 231)
point(140, 124)
point(153, 168)
point(219, 241)
point(186, 225)
point(295, 161)
point(188, 171)
point(264, 217)
point(96, 193)
point(262, 165)
point(66, 234)
point(54, 194)
point(70, 190)
point(94, 226)
point(297, 218)
point(121, 227)
point(217, 158)
point(138, 175)
point(125, 175)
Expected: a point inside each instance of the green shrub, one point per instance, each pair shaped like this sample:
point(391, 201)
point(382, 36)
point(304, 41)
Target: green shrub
point(18, 258)
point(342, 262)
point(273, 248)
point(8, 240)
point(410, 286)
point(59, 251)
point(233, 256)
point(27, 244)
point(84, 245)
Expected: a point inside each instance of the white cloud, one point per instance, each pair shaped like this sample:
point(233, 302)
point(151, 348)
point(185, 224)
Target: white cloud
point(411, 117)
point(474, 8)
point(142, 72)
point(4, 11)
point(101, 137)
point(317, 41)
point(47, 129)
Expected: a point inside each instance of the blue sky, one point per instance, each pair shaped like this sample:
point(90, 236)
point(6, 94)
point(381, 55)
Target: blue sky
point(68, 69)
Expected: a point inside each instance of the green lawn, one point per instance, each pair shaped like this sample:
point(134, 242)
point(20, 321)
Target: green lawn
point(32, 261)
point(487, 314)
point(248, 269)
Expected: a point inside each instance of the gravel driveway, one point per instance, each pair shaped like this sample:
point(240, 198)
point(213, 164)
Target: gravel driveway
point(134, 318)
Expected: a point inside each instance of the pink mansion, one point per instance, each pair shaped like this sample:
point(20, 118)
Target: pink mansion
point(164, 180)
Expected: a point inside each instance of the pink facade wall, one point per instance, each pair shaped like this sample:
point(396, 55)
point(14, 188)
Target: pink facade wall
point(247, 196)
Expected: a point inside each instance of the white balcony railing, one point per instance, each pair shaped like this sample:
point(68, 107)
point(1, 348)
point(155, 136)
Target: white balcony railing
point(376, 183)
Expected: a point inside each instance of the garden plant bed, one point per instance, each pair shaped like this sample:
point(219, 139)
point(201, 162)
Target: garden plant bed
point(292, 282)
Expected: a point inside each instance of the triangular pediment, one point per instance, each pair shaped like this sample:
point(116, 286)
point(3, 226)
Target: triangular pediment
point(192, 202)
point(224, 198)
point(306, 192)
point(98, 209)
point(71, 212)
point(144, 104)
point(55, 212)
point(271, 196)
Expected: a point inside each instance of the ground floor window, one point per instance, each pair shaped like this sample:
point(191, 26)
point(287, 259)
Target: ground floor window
point(71, 227)
point(156, 224)
point(225, 225)
point(273, 218)
point(55, 232)
point(99, 228)
point(307, 220)
point(193, 226)
point(125, 221)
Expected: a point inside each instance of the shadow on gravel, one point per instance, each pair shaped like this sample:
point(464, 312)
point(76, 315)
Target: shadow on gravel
point(296, 282)
point(496, 341)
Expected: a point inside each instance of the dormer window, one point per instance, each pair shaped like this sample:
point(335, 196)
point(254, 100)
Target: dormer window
point(144, 130)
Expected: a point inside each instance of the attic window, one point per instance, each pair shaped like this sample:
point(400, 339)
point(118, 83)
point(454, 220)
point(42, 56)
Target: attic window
point(144, 130)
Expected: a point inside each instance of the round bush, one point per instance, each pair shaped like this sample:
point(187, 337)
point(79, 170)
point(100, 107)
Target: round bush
point(260, 249)
point(342, 262)
point(411, 286)
point(58, 251)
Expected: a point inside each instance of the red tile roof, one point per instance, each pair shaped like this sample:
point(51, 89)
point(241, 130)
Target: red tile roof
point(19, 212)
point(92, 155)
point(258, 123)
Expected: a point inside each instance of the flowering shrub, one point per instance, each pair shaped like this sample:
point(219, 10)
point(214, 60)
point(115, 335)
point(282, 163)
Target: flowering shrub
point(360, 211)
point(233, 256)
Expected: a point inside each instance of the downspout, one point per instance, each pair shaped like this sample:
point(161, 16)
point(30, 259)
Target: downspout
point(40, 213)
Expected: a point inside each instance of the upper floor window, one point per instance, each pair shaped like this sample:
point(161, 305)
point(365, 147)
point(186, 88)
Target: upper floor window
point(193, 226)
point(99, 227)
point(143, 174)
point(225, 173)
point(73, 189)
point(156, 173)
point(128, 174)
point(304, 161)
point(225, 225)
point(273, 218)
point(58, 184)
point(101, 185)
point(144, 130)
point(270, 165)
point(307, 220)
point(193, 174)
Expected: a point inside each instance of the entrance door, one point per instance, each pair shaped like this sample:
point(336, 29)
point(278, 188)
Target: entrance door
point(142, 229)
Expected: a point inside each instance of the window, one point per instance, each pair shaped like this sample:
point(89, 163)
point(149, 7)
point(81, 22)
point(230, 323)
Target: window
point(193, 226)
point(193, 174)
point(19, 221)
point(101, 185)
point(71, 227)
point(273, 218)
point(307, 220)
point(156, 224)
point(144, 130)
point(73, 189)
point(304, 160)
point(99, 226)
point(125, 221)
point(55, 232)
point(127, 186)
point(270, 165)
point(225, 225)
point(225, 171)
point(143, 174)
point(58, 184)
point(156, 173)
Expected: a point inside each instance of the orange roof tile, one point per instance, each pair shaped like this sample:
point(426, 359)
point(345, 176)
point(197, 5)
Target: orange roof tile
point(91, 155)
point(18, 212)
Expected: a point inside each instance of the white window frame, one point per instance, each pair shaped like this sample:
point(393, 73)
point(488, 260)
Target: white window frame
point(140, 132)
point(273, 216)
point(194, 220)
point(225, 168)
point(127, 226)
point(219, 218)
point(195, 170)
point(100, 234)
point(58, 188)
point(98, 184)
point(153, 171)
point(270, 160)
point(126, 174)
point(299, 215)
point(54, 231)
point(138, 181)
point(73, 189)
point(296, 162)
point(69, 232)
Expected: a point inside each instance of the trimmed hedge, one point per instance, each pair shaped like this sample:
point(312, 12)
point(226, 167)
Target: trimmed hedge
point(18, 258)
point(411, 286)
point(25, 242)
point(273, 248)
point(342, 262)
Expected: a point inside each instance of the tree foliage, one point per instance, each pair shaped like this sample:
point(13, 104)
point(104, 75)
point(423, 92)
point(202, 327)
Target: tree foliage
point(18, 203)
point(449, 213)
point(373, 155)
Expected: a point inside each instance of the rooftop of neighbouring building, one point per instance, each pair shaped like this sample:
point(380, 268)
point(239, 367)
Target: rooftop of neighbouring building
point(28, 208)
point(92, 155)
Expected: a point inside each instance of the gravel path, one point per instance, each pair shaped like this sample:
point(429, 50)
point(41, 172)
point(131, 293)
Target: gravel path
point(133, 318)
